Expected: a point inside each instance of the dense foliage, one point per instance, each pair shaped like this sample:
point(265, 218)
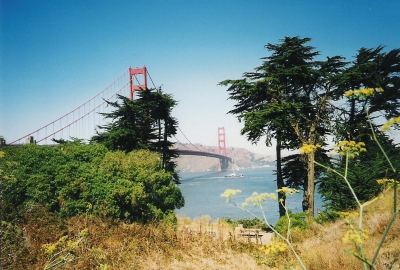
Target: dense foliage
point(72, 179)
point(298, 100)
point(143, 123)
point(297, 220)
point(363, 172)
point(372, 69)
point(287, 99)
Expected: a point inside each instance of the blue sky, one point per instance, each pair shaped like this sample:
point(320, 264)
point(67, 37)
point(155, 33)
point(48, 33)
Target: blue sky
point(55, 55)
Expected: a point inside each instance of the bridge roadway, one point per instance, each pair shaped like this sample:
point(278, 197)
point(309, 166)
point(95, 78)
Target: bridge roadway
point(224, 159)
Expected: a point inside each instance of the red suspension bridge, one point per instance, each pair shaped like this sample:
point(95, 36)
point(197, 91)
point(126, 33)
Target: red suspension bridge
point(81, 122)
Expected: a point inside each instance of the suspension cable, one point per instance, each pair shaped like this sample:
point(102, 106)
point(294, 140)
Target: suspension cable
point(181, 142)
point(188, 139)
point(85, 114)
point(151, 78)
point(134, 75)
point(77, 108)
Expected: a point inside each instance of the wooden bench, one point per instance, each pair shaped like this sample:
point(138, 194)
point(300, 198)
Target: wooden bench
point(249, 233)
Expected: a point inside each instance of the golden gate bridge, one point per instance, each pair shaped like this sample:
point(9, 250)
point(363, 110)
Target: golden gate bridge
point(81, 121)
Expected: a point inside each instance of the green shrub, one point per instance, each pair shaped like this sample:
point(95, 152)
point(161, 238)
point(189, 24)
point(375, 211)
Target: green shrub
point(327, 216)
point(297, 220)
point(73, 179)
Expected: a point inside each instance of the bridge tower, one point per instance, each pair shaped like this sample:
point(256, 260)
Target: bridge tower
point(222, 148)
point(134, 72)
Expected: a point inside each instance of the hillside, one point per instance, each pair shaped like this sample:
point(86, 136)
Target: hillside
point(242, 159)
point(89, 242)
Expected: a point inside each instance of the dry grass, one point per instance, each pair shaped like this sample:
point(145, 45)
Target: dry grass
point(112, 244)
point(325, 250)
point(195, 244)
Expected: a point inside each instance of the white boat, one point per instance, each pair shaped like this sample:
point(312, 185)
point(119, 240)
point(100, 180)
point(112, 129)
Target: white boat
point(234, 175)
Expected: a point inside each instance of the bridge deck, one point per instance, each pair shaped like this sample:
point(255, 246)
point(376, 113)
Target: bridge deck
point(201, 153)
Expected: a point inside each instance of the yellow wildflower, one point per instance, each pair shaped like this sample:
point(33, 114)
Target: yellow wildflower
point(287, 191)
point(348, 93)
point(362, 93)
point(229, 192)
point(84, 232)
point(309, 148)
point(105, 267)
point(349, 215)
point(390, 123)
point(387, 182)
point(258, 199)
point(357, 237)
point(282, 190)
point(49, 249)
point(273, 248)
point(63, 239)
point(71, 245)
point(350, 148)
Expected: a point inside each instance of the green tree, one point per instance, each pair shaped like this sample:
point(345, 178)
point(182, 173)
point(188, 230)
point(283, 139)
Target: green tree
point(263, 112)
point(288, 99)
point(376, 72)
point(130, 127)
point(363, 172)
point(160, 108)
point(295, 172)
point(373, 69)
point(143, 123)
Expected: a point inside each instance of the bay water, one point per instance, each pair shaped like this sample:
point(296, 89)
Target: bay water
point(202, 192)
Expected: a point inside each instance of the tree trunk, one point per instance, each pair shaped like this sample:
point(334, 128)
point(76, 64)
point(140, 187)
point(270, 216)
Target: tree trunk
point(164, 146)
point(308, 198)
point(279, 180)
point(159, 145)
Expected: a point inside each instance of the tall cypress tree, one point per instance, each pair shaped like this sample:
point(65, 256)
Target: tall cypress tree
point(260, 107)
point(378, 70)
point(287, 98)
point(143, 123)
point(130, 127)
point(165, 126)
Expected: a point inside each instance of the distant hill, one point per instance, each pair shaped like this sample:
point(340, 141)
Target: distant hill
point(243, 158)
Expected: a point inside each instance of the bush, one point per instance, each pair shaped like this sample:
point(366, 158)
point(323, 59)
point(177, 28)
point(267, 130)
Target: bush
point(327, 216)
point(297, 220)
point(73, 179)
